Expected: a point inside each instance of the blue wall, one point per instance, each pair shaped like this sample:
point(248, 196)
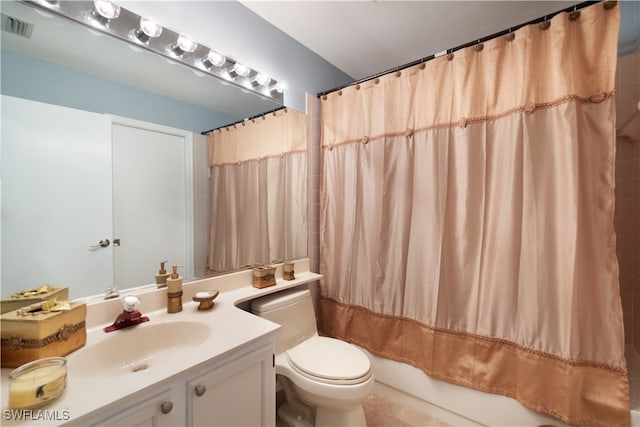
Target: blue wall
point(27, 77)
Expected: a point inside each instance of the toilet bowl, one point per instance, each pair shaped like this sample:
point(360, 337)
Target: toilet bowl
point(325, 380)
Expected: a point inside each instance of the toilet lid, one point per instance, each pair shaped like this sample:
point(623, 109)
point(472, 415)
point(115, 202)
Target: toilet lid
point(329, 359)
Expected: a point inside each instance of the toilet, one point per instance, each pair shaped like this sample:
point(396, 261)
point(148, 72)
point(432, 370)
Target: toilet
point(325, 380)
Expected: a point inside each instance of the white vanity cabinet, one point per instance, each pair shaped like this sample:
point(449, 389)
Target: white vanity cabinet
point(156, 411)
point(238, 393)
point(237, 389)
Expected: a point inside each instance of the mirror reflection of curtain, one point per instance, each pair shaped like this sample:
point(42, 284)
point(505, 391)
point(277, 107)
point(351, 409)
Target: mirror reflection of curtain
point(258, 187)
point(467, 218)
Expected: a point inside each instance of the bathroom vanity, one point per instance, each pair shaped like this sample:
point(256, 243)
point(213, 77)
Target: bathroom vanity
point(196, 367)
point(237, 389)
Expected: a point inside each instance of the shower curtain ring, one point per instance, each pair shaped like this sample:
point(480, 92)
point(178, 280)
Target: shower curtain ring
point(574, 15)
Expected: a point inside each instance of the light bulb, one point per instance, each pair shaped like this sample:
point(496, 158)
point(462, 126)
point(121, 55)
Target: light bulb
point(214, 59)
point(260, 79)
point(148, 29)
point(186, 44)
point(241, 69)
point(106, 9)
point(278, 87)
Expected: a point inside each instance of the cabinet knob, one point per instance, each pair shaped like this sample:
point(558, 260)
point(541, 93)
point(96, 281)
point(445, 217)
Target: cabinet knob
point(166, 406)
point(200, 390)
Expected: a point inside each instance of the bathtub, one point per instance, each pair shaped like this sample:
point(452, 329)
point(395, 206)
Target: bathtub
point(461, 406)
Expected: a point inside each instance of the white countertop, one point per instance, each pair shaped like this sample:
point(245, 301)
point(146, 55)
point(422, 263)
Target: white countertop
point(231, 330)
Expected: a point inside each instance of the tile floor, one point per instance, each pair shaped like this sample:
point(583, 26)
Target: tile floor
point(383, 412)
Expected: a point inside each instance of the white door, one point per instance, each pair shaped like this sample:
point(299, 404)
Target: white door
point(56, 197)
point(152, 219)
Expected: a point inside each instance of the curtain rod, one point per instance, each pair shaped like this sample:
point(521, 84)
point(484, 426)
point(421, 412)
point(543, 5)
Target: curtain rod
point(205, 132)
point(608, 4)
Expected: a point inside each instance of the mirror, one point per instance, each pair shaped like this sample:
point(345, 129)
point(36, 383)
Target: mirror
point(101, 74)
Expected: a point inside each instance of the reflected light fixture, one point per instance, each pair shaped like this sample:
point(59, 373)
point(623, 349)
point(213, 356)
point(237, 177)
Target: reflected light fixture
point(183, 45)
point(141, 32)
point(104, 11)
point(148, 29)
point(260, 79)
point(239, 69)
point(214, 59)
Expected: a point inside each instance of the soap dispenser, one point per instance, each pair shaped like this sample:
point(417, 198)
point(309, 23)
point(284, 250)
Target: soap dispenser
point(174, 291)
point(161, 277)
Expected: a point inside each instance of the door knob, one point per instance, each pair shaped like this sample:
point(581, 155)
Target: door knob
point(200, 390)
point(166, 406)
point(101, 244)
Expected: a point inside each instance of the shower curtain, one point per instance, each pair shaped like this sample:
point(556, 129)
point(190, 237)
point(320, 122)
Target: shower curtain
point(258, 185)
point(467, 218)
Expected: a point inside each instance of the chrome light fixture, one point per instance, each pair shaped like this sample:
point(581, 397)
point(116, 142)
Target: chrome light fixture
point(107, 17)
point(183, 45)
point(147, 30)
point(104, 11)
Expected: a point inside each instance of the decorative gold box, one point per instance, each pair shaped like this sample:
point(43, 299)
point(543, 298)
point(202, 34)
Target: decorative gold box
point(31, 333)
point(32, 296)
point(264, 276)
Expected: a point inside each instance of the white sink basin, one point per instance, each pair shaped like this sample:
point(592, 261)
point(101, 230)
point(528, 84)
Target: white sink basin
point(138, 348)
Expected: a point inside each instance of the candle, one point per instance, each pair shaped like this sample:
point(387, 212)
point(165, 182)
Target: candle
point(38, 382)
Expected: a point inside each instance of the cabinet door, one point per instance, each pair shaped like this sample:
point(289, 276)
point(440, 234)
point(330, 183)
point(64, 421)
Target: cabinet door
point(154, 412)
point(239, 393)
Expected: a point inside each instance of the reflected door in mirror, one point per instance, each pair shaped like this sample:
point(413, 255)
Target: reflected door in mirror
point(149, 202)
point(56, 197)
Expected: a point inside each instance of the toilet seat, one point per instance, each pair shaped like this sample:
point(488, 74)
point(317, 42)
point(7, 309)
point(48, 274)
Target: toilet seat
point(329, 361)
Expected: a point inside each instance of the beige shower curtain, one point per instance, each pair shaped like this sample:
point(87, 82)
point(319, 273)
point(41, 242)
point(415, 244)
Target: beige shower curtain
point(467, 218)
point(258, 186)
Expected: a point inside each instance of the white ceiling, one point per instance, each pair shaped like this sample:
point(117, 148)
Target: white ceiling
point(362, 38)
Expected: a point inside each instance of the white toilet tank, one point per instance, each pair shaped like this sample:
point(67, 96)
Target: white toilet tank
point(293, 310)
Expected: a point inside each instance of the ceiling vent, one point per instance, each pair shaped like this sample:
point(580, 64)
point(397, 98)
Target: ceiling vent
point(15, 26)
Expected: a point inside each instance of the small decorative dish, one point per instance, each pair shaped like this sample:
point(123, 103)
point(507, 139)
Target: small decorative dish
point(205, 298)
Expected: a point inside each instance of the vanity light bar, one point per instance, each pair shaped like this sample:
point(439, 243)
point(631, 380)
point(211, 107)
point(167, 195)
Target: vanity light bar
point(145, 33)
